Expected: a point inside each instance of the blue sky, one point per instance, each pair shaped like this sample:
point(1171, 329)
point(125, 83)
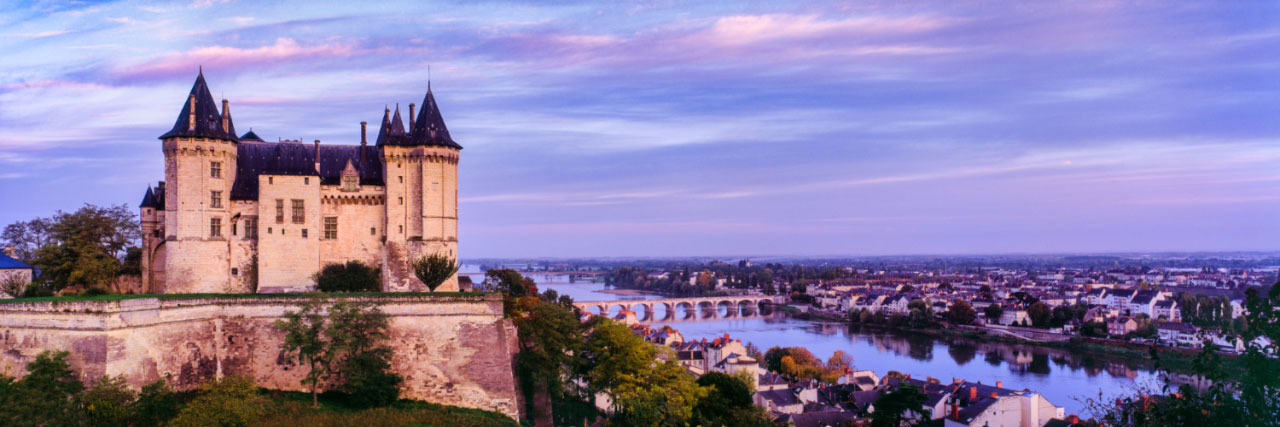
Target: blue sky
point(702, 128)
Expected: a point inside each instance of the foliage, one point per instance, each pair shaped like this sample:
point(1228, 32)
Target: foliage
point(1096, 329)
point(904, 406)
point(354, 276)
point(728, 402)
point(13, 285)
point(230, 401)
point(663, 395)
point(799, 363)
point(84, 247)
point(550, 335)
point(993, 313)
point(107, 403)
point(292, 409)
point(305, 340)
point(434, 269)
point(1040, 314)
point(1251, 398)
point(920, 314)
point(156, 405)
point(357, 334)
point(46, 396)
point(509, 282)
point(961, 313)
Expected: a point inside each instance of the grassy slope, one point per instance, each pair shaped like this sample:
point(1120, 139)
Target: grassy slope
point(294, 409)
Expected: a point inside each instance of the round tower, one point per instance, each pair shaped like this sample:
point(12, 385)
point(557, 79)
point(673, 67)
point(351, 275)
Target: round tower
point(200, 155)
point(421, 173)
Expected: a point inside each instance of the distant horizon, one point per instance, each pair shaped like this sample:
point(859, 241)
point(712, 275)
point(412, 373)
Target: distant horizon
point(1130, 254)
point(809, 127)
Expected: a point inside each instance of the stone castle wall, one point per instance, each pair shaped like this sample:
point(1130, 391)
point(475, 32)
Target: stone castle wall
point(451, 350)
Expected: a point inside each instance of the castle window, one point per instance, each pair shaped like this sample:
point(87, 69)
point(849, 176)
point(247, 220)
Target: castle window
point(251, 228)
point(306, 181)
point(215, 227)
point(215, 199)
point(373, 231)
point(279, 211)
point(215, 169)
point(331, 227)
point(268, 230)
point(235, 271)
point(233, 228)
point(401, 200)
point(299, 215)
point(271, 180)
point(400, 228)
point(304, 233)
point(350, 183)
point(401, 179)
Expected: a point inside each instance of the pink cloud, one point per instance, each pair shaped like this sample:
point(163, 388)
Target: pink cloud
point(747, 29)
point(285, 50)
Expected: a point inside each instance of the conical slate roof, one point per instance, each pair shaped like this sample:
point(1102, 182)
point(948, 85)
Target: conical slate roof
point(250, 136)
point(429, 128)
point(149, 199)
point(208, 121)
point(392, 132)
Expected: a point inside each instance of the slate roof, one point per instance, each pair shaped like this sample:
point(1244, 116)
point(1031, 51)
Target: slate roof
point(289, 158)
point(7, 262)
point(782, 397)
point(428, 127)
point(250, 136)
point(149, 199)
point(1144, 297)
point(208, 119)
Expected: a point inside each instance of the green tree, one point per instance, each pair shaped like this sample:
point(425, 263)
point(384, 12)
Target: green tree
point(230, 402)
point(353, 276)
point(108, 402)
point(1040, 314)
point(305, 340)
point(901, 407)
point(728, 402)
point(434, 269)
point(46, 396)
point(510, 283)
point(84, 247)
point(961, 313)
point(993, 312)
point(549, 335)
point(156, 405)
point(663, 395)
point(357, 335)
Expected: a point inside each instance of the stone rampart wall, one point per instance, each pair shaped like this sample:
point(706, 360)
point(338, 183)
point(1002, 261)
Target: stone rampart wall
point(452, 350)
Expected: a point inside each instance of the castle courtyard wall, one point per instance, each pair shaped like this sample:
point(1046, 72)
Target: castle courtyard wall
point(451, 350)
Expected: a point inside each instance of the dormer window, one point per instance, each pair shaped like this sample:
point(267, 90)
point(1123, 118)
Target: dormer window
point(350, 183)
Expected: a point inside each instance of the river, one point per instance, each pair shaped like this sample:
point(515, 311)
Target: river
point(1064, 377)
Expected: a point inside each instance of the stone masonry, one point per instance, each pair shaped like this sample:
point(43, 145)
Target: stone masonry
point(451, 350)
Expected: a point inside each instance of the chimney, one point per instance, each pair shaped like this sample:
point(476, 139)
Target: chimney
point(226, 116)
point(10, 251)
point(955, 408)
point(999, 384)
point(317, 156)
point(191, 112)
point(364, 133)
point(973, 393)
point(412, 117)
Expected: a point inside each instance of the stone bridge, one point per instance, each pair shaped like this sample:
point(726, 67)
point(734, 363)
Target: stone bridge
point(694, 308)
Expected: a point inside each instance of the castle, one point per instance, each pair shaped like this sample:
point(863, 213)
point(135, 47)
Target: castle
point(236, 214)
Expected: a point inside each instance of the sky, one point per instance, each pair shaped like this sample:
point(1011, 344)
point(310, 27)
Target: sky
point(701, 128)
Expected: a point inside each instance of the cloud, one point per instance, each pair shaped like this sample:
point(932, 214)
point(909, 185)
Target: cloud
point(283, 51)
point(750, 29)
point(40, 34)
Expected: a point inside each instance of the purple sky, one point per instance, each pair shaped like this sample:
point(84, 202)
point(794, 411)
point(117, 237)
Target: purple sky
point(700, 128)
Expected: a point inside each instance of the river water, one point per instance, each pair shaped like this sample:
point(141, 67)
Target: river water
point(1064, 377)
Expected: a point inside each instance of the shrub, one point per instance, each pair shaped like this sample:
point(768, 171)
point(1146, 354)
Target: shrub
point(353, 276)
point(370, 382)
point(156, 405)
point(231, 401)
point(433, 270)
point(107, 402)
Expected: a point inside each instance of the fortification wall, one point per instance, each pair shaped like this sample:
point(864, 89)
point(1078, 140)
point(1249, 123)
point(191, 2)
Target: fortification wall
point(452, 350)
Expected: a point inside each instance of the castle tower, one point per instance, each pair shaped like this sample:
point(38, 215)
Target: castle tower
point(421, 172)
point(200, 157)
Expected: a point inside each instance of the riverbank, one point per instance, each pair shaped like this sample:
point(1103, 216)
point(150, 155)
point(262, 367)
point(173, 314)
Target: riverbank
point(1179, 361)
point(628, 292)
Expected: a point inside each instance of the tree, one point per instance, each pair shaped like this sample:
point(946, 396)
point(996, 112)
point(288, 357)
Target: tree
point(45, 396)
point(107, 403)
point(904, 406)
point(156, 405)
point(354, 276)
point(230, 401)
point(305, 340)
point(84, 247)
point(728, 402)
point(357, 333)
point(549, 335)
point(433, 270)
point(993, 312)
point(1040, 314)
point(509, 282)
point(961, 313)
point(664, 395)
